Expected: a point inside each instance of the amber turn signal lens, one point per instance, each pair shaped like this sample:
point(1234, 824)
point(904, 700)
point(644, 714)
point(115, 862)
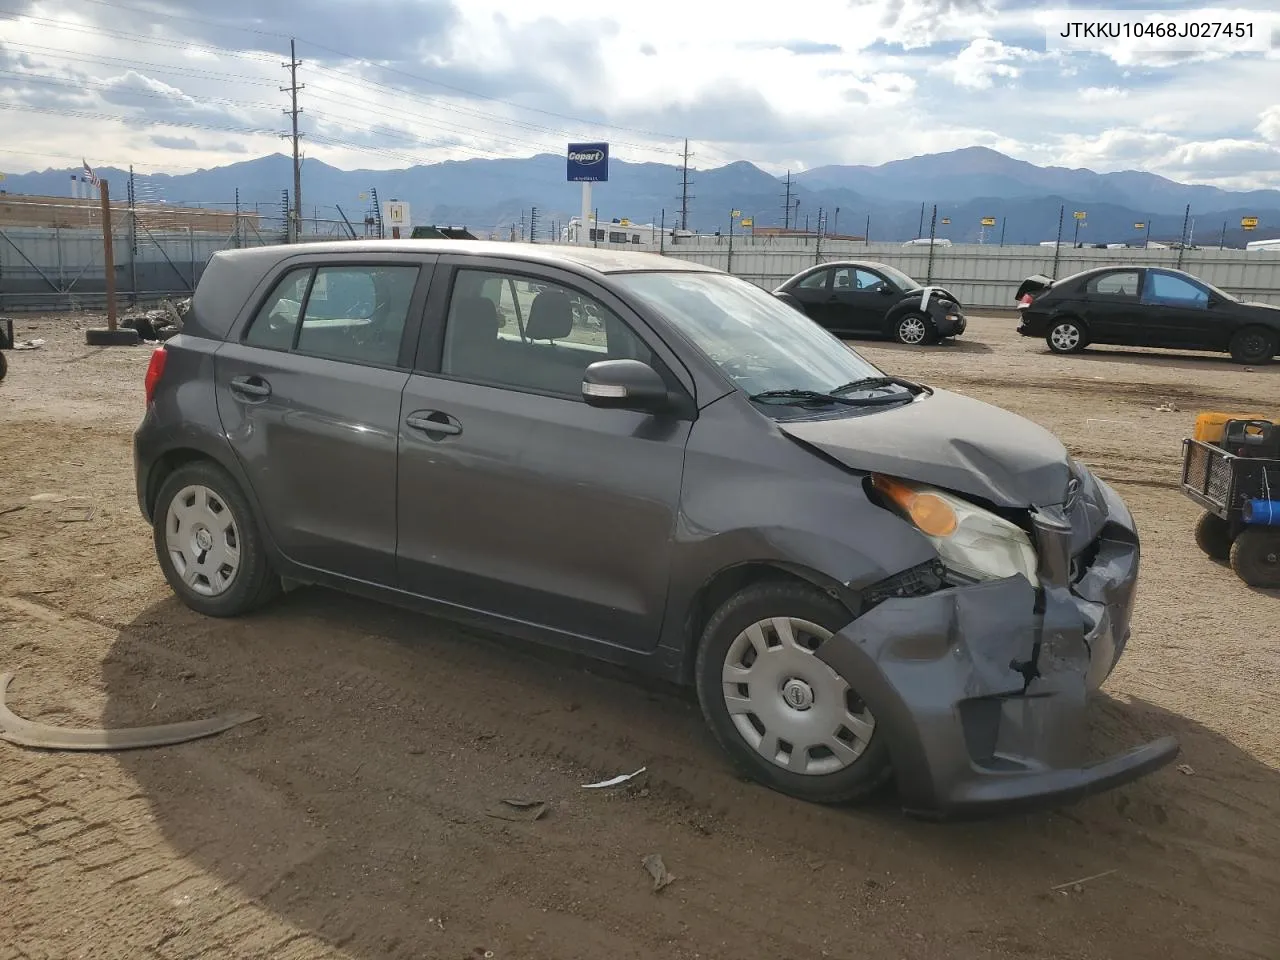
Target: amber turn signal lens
point(929, 512)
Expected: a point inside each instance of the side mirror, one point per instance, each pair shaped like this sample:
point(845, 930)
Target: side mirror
point(887, 291)
point(624, 385)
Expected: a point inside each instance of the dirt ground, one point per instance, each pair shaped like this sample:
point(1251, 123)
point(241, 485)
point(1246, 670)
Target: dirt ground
point(354, 818)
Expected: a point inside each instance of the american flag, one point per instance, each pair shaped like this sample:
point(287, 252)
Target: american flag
point(89, 175)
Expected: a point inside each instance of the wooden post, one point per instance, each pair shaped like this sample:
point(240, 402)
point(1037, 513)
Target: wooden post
point(108, 254)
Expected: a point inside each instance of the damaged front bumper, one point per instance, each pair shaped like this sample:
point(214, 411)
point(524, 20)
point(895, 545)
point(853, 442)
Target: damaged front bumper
point(982, 690)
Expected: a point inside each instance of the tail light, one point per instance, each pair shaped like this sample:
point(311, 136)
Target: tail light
point(155, 370)
point(1025, 301)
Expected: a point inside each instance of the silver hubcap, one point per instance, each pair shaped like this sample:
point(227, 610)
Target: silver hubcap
point(789, 706)
point(1065, 336)
point(911, 330)
point(203, 540)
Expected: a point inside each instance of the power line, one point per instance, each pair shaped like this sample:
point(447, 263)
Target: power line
point(352, 57)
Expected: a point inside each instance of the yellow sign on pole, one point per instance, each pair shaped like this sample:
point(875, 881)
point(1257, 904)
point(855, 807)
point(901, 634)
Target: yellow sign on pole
point(1079, 214)
point(747, 221)
point(624, 222)
point(1249, 223)
point(988, 221)
point(1139, 226)
point(946, 220)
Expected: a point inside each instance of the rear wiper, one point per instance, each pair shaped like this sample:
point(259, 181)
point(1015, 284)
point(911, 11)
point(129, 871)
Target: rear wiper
point(872, 383)
point(826, 399)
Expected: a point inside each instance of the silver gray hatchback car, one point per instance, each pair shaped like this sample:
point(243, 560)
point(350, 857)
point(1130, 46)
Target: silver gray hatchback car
point(660, 465)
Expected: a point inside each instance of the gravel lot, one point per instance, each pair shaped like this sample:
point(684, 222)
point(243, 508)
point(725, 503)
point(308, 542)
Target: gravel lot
point(354, 818)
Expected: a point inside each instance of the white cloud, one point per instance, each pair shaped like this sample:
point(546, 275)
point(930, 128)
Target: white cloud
point(1102, 94)
point(1269, 123)
point(978, 65)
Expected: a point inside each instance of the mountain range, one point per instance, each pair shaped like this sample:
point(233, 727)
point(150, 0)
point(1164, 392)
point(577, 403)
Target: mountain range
point(898, 197)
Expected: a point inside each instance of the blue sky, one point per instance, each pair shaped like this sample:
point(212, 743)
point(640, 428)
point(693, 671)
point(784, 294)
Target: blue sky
point(173, 85)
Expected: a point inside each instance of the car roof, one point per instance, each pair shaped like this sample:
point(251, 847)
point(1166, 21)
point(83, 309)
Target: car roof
point(594, 259)
point(873, 264)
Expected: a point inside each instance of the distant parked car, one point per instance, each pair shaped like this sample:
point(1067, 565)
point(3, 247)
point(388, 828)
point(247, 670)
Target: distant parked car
point(1146, 307)
point(863, 577)
point(873, 299)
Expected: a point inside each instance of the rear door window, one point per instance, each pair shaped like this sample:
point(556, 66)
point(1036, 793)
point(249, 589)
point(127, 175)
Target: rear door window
point(1122, 283)
point(355, 313)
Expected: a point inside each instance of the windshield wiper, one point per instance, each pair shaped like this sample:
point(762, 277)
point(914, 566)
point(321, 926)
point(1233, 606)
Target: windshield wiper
point(872, 383)
point(823, 399)
point(805, 396)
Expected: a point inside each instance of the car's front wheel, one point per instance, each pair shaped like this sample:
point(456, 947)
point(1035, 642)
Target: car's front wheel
point(914, 329)
point(208, 543)
point(1066, 336)
point(785, 717)
point(1253, 345)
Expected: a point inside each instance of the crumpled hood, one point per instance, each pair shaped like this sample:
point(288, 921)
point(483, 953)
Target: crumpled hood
point(949, 441)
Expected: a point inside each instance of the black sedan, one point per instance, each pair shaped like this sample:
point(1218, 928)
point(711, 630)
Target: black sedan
point(1146, 307)
point(873, 299)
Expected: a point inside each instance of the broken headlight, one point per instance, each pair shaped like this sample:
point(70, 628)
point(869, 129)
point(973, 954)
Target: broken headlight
point(972, 542)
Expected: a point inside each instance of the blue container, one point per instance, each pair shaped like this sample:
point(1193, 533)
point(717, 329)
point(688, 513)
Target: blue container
point(1263, 512)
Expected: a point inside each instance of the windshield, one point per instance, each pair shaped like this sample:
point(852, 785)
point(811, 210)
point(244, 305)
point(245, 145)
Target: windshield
point(902, 281)
point(758, 341)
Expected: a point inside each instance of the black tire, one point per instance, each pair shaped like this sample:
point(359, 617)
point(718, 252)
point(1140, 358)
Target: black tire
point(1213, 536)
point(1067, 335)
point(120, 337)
point(915, 330)
point(1254, 345)
point(254, 582)
point(760, 601)
point(1255, 557)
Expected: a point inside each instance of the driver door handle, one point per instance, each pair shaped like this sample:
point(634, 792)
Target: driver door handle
point(432, 421)
point(252, 386)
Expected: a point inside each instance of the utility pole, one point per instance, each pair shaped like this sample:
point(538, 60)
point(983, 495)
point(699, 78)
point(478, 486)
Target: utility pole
point(533, 225)
point(292, 112)
point(685, 197)
point(1182, 246)
point(786, 204)
point(522, 226)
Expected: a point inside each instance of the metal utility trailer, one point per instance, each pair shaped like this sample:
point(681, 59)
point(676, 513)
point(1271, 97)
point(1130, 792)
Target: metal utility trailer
point(1228, 487)
point(6, 343)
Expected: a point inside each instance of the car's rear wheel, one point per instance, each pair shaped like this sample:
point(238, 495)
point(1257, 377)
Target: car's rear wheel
point(785, 717)
point(914, 329)
point(1253, 345)
point(1213, 536)
point(1255, 557)
point(208, 543)
point(1066, 336)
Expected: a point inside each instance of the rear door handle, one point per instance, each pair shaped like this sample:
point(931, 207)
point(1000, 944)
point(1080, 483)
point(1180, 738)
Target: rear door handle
point(434, 422)
point(253, 386)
